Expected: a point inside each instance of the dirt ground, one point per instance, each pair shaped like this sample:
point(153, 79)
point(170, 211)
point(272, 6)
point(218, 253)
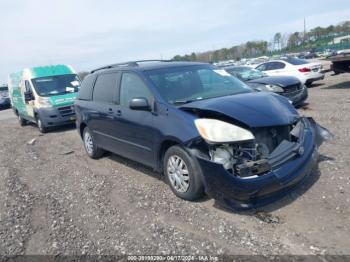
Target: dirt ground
point(55, 200)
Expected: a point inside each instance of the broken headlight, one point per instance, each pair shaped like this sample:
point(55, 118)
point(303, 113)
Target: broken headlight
point(217, 131)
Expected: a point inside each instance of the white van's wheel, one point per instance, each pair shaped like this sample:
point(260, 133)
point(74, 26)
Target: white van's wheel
point(21, 121)
point(40, 124)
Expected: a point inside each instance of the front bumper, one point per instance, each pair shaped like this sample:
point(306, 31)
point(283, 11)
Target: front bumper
point(57, 116)
point(298, 97)
point(239, 193)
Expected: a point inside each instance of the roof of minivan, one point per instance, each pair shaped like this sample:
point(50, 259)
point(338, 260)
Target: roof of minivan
point(147, 66)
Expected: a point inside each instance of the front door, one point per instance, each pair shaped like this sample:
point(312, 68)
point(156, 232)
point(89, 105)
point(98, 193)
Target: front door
point(29, 105)
point(134, 129)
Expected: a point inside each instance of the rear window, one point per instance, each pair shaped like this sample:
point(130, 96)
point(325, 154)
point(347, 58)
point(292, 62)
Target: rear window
point(295, 61)
point(85, 92)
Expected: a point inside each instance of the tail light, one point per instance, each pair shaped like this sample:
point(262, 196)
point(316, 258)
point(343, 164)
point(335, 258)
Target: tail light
point(304, 70)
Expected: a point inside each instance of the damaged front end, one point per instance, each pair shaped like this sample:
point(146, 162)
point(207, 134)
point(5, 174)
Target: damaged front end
point(254, 171)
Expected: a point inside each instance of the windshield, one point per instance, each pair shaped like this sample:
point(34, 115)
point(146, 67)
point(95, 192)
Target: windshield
point(295, 61)
point(246, 73)
point(3, 88)
point(56, 85)
point(185, 84)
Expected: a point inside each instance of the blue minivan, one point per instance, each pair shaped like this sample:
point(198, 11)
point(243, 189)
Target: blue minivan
point(204, 129)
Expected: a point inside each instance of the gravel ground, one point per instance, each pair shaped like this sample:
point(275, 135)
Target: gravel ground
point(55, 200)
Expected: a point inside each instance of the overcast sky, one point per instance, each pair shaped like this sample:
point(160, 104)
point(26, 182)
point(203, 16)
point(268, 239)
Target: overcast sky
point(90, 33)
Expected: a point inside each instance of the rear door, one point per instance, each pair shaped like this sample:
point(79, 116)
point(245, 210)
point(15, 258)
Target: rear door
point(133, 129)
point(102, 108)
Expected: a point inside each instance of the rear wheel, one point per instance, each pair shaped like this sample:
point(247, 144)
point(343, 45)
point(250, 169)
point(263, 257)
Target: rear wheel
point(90, 145)
point(182, 174)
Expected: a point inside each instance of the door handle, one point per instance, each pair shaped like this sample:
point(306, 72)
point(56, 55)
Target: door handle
point(119, 113)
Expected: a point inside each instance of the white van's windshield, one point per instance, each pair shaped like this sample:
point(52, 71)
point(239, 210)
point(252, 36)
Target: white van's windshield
point(56, 85)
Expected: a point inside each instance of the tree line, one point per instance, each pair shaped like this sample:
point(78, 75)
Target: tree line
point(280, 43)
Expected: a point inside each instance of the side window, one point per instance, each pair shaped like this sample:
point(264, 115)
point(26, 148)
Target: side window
point(133, 87)
point(27, 87)
point(85, 92)
point(105, 88)
point(276, 66)
point(262, 67)
point(280, 65)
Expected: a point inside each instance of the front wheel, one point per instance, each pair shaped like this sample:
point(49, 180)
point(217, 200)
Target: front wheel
point(21, 120)
point(182, 174)
point(41, 126)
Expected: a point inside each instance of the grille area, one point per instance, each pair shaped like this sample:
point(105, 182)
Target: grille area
point(66, 111)
point(292, 88)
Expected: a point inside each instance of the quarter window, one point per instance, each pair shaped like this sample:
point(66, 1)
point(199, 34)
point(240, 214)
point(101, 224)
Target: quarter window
point(105, 88)
point(133, 87)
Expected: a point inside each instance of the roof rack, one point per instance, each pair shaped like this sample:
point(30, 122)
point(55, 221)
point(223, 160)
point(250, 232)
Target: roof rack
point(130, 63)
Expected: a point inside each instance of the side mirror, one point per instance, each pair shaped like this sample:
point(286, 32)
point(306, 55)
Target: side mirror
point(28, 96)
point(140, 103)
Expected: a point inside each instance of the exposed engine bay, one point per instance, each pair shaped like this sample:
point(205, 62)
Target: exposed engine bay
point(251, 159)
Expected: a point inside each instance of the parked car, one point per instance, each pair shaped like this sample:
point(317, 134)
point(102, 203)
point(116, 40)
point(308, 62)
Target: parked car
point(203, 128)
point(4, 98)
point(306, 72)
point(287, 86)
point(44, 95)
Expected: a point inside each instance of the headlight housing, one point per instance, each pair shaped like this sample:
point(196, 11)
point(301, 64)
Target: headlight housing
point(274, 88)
point(217, 131)
point(44, 102)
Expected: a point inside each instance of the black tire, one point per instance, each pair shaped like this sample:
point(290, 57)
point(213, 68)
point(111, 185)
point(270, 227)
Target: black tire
point(21, 120)
point(195, 189)
point(42, 128)
point(309, 84)
point(92, 150)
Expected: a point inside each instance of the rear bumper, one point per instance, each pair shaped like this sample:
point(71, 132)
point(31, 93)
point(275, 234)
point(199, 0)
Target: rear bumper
point(238, 193)
point(53, 117)
point(313, 79)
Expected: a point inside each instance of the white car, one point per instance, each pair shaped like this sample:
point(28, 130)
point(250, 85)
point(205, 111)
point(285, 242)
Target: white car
point(306, 72)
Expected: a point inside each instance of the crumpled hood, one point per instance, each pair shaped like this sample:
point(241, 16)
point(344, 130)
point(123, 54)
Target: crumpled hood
point(252, 109)
point(282, 81)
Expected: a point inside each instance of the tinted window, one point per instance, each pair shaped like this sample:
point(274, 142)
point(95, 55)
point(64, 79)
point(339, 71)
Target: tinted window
point(262, 67)
point(295, 61)
point(276, 66)
point(105, 88)
point(133, 87)
point(85, 92)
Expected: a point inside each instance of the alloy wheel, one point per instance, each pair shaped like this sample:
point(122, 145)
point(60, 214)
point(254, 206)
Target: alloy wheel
point(178, 174)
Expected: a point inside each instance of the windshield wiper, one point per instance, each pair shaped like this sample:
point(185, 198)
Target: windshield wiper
point(181, 102)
